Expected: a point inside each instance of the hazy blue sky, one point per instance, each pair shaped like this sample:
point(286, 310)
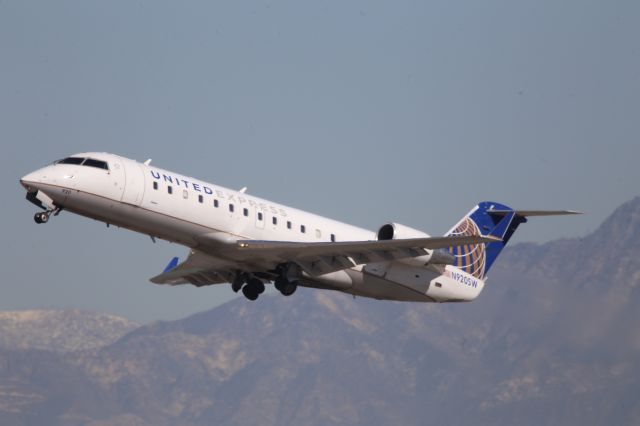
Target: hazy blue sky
point(364, 111)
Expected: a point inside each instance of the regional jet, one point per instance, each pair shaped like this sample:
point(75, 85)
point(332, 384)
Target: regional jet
point(236, 238)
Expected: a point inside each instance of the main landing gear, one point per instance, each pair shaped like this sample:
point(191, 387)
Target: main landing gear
point(43, 217)
point(253, 287)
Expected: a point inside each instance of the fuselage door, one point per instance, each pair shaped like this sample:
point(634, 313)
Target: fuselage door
point(134, 183)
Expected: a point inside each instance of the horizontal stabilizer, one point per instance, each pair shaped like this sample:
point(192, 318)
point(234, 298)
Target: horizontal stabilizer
point(529, 213)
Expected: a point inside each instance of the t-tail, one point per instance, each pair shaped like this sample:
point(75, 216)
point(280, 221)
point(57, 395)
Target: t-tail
point(493, 219)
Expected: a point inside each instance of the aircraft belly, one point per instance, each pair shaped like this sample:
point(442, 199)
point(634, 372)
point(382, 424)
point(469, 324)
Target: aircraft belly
point(338, 280)
point(369, 285)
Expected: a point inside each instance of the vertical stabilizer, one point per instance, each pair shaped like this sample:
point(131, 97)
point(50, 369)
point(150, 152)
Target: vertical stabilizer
point(487, 218)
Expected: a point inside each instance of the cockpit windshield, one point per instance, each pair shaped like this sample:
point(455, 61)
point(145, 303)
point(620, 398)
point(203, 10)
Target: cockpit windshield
point(90, 162)
point(96, 163)
point(71, 160)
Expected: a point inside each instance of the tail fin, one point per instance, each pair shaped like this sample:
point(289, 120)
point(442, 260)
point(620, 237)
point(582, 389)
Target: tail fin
point(496, 220)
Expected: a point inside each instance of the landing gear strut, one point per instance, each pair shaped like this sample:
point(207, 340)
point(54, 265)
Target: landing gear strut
point(238, 282)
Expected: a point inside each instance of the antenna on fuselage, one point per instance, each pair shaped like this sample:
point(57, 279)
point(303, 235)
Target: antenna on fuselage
point(146, 163)
point(243, 190)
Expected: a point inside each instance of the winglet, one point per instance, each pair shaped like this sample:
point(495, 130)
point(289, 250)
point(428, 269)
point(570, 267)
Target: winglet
point(172, 264)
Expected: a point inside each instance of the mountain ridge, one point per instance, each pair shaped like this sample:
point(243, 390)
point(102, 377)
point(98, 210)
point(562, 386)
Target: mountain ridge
point(554, 338)
point(61, 330)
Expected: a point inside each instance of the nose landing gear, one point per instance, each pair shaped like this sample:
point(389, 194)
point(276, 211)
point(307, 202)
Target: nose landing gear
point(43, 217)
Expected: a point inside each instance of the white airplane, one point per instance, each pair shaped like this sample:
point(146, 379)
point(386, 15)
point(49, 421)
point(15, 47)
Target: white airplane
point(247, 241)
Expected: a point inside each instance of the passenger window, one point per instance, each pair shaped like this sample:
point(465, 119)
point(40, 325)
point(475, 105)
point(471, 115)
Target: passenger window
point(288, 224)
point(200, 198)
point(231, 208)
point(185, 194)
point(274, 220)
point(155, 185)
point(245, 212)
point(303, 229)
point(215, 203)
point(333, 238)
point(259, 216)
point(170, 189)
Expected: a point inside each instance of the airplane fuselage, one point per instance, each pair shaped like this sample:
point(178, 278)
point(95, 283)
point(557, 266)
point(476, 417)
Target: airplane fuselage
point(187, 211)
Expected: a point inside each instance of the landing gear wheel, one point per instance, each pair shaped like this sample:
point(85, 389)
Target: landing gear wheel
point(280, 283)
point(250, 292)
point(41, 217)
point(287, 288)
point(257, 284)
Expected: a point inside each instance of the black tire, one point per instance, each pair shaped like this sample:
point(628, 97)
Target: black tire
point(257, 284)
point(279, 283)
point(289, 288)
point(250, 292)
point(41, 217)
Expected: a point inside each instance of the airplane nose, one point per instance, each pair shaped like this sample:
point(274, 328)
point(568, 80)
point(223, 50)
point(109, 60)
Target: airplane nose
point(30, 181)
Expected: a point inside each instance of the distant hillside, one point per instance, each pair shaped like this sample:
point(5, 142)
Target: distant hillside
point(60, 330)
point(554, 339)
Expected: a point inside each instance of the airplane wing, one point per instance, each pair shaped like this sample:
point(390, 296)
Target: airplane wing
point(218, 262)
point(317, 258)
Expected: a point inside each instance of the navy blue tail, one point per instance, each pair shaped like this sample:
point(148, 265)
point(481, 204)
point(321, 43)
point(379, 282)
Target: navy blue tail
point(487, 218)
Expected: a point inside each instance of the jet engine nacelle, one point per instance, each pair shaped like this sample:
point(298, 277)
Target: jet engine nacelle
point(396, 231)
